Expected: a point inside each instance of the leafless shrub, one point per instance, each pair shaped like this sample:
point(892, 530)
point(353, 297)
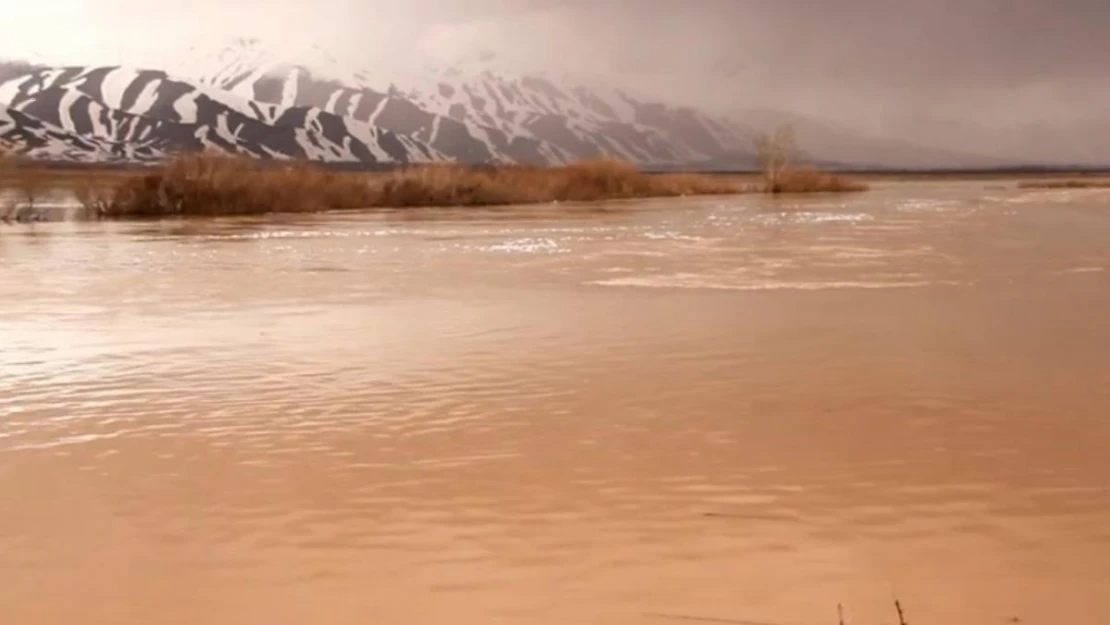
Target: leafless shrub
point(776, 153)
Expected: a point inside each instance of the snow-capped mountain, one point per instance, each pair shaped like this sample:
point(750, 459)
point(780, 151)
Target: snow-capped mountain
point(155, 114)
point(249, 99)
point(477, 112)
point(36, 139)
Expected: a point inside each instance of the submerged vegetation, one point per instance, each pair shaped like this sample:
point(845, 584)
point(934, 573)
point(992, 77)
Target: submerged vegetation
point(22, 185)
point(204, 184)
point(1065, 184)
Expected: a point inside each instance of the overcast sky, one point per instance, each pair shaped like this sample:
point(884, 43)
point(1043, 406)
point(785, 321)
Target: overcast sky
point(935, 69)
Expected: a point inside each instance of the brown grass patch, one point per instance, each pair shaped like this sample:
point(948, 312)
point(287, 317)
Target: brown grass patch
point(23, 184)
point(456, 185)
point(207, 185)
point(811, 180)
point(1065, 184)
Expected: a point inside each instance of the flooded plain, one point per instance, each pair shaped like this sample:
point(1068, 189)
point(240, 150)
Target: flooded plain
point(697, 410)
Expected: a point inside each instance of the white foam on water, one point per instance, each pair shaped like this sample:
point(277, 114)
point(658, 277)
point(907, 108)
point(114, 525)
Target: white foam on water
point(695, 281)
point(671, 235)
point(920, 204)
point(1081, 270)
point(526, 245)
point(810, 218)
point(1057, 196)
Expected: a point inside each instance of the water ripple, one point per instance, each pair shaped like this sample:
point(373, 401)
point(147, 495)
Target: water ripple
point(445, 418)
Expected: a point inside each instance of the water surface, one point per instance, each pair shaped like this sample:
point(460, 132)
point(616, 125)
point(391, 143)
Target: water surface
point(726, 408)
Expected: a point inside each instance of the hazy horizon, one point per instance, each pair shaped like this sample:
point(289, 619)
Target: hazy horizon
point(985, 76)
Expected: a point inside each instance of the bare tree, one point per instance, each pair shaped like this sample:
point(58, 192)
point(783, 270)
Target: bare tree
point(774, 151)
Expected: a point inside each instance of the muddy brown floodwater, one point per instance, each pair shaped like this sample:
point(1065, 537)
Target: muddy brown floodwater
point(728, 408)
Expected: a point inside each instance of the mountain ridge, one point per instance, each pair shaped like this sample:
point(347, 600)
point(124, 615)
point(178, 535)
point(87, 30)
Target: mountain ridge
point(247, 99)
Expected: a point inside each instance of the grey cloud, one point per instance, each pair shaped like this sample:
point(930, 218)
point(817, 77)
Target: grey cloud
point(990, 75)
point(960, 73)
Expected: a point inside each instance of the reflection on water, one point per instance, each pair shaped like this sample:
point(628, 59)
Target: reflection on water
point(733, 408)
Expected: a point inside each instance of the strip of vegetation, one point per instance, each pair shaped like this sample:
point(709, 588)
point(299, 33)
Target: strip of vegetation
point(201, 184)
point(206, 185)
point(1065, 184)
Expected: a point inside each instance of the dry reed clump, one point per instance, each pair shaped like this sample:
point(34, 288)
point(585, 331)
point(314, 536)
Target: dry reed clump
point(602, 179)
point(608, 179)
point(23, 183)
point(445, 185)
point(811, 180)
point(1065, 184)
point(6, 164)
point(203, 184)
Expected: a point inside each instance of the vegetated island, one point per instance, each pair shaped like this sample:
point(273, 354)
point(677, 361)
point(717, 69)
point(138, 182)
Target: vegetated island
point(206, 184)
